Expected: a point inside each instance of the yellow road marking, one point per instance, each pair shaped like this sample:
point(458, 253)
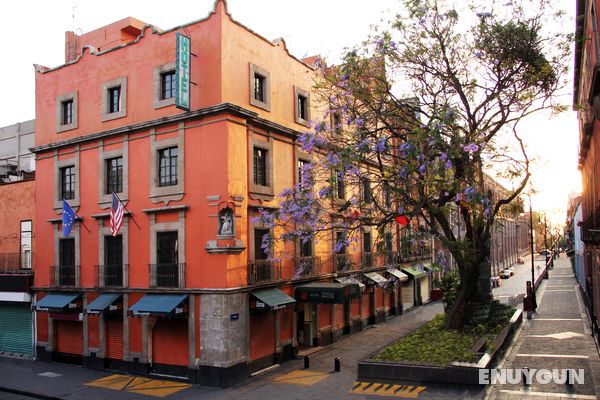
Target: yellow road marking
point(386, 389)
point(302, 377)
point(150, 387)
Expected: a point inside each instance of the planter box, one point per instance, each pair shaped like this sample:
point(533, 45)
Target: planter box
point(436, 294)
point(455, 373)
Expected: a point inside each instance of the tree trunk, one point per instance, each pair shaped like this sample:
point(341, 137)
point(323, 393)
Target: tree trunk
point(474, 290)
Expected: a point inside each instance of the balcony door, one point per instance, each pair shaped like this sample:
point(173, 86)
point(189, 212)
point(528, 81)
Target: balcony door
point(66, 260)
point(167, 268)
point(113, 261)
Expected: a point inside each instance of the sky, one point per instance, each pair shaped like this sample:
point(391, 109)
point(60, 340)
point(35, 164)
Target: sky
point(32, 32)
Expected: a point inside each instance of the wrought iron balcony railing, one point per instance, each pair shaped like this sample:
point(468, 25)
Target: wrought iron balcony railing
point(307, 266)
point(65, 275)
point(111, 275)
point(168, 275)
point(263, 271)
point(16, 263)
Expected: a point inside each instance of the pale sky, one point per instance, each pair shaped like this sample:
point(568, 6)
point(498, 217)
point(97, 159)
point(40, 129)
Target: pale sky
point(33, 32)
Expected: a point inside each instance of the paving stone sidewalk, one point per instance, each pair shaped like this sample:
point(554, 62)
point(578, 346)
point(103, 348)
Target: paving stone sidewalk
point(557, 337)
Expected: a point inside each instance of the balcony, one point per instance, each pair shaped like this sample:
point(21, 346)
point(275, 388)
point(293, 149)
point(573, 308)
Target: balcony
point(307, 266)
point(111, 276)
point(367, 260)
point(415, 251)
point(342, 263)
point(167, 276)
point(64, 275)
point(263, 271)
point(15, 263)
point(390, 258)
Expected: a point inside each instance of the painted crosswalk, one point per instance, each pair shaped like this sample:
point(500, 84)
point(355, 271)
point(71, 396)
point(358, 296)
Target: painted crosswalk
point(387, 389)
point(139, 385)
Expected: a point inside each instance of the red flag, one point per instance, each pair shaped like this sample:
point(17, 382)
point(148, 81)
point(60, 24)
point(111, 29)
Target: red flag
point(116, 215)
point(401, 219)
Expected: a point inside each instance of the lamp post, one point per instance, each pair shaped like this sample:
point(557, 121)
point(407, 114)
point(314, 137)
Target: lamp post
point(531, 237)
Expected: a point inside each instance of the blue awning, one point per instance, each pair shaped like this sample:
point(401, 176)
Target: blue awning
point(57, 302)
point(103, 302)
point(159, 304)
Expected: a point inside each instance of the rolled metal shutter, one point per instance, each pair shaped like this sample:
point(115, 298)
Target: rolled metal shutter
point(114, 339)
point(16, 330)
point(69, 337)
point(170, 342)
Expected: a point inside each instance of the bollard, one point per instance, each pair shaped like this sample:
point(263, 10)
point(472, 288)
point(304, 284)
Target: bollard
point(306, 362)
point(336, 362)
point(524, 376)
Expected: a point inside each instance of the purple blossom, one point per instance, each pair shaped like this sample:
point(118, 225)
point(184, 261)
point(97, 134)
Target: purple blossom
point(324, 192)
point(360, 122)
point(478, 54)
point(448, 164)
point(345, 77)
point(443, 156)
point(286, 192)
point(471, 148)
point(469, 193)
point(381, 145)
point(403, 172)
point(422, 169)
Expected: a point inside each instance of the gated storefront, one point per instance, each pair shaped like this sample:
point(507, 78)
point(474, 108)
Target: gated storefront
point(16, 329)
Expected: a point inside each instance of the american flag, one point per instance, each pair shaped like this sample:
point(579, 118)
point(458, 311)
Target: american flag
point(116, 215)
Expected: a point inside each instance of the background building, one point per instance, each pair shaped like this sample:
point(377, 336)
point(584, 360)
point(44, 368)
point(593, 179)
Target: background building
point(17, 238)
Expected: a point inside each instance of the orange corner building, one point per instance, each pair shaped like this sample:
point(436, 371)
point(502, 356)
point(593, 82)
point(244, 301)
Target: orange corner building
point(194, 129)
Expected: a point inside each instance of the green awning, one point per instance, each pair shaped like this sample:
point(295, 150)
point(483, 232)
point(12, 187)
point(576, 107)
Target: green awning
point(273, 299)
point(104, 302)
point(159, 304)
point(58, 302)
point(323, 292)
point(414, 272)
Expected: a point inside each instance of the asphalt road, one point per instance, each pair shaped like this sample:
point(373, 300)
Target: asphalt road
point(516, 284)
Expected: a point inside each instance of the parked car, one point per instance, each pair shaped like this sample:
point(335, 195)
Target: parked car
point(505, 273)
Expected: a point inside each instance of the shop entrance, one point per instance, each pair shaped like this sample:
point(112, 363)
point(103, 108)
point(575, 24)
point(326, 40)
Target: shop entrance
point(306, 324)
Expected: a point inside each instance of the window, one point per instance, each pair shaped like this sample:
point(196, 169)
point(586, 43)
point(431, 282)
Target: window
point(166, 248)
point(167, 167)
point(302, 106)
point(366, 190)
point(67, 183)
point(67, 112)
point(114, 175)
point(367, 247)
point(26, 244)
point(66, 259)
point(340, 186)
point(259, 252)
point(114, 99)
point(336, 122)
point(259, 87)
point(66, 255)
point(306, 249)
point(113, 261)
point(167, 85)
point(340, 240)
point(303, 166)
point(260, 166)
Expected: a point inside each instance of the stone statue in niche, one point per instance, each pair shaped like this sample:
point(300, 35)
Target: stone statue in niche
point(226, 222)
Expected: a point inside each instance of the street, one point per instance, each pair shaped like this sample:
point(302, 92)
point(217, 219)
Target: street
point(515, 285)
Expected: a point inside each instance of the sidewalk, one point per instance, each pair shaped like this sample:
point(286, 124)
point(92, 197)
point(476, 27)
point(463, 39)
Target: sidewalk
point(558, 337)
point(69, 382)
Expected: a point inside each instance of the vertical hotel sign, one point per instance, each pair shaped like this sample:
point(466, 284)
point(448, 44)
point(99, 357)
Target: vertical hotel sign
point(182, 72)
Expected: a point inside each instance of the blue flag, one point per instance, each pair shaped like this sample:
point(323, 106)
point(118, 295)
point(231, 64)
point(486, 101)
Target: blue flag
point(68, 218)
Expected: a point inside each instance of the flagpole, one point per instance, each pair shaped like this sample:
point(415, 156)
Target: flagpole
point(129, 212)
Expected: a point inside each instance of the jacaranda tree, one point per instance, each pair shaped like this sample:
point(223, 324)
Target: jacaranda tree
point(415, 119)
